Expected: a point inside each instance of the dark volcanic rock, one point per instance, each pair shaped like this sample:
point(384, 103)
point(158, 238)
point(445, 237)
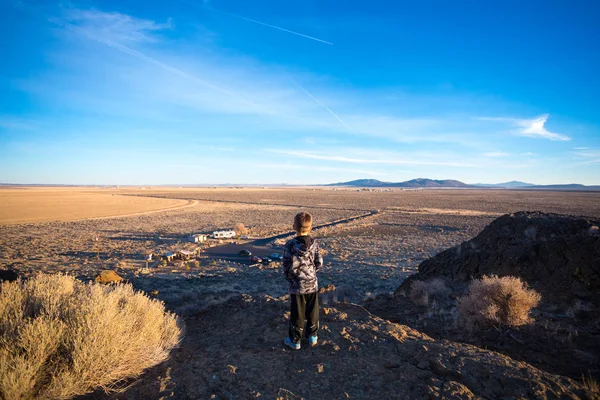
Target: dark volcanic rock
point(8, 275)
point(558, 255)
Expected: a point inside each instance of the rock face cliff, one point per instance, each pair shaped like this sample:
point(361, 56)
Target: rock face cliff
point(558, 255)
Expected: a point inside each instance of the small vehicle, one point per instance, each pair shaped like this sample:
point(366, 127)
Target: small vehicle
point(245, 253)
point(266, 260)
point(255, 259)
point(276, 256)
point(244, 237)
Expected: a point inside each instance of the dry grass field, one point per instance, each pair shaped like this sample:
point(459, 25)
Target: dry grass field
point(32, 205)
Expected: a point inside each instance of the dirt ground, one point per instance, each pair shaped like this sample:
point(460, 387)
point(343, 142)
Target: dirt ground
point(234, 351)
point(364, 258)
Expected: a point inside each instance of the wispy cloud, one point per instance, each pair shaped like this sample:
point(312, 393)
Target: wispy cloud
point(216, 148)
point(527, 154)
point(496, 154)
point(115, 26)
point(298, 167)
point(89, 26)
point(534, 128)
point(18, 124)
point(587, 156)
point(383, 159)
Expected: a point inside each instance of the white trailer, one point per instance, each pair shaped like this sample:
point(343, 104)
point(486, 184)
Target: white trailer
point(228, 234)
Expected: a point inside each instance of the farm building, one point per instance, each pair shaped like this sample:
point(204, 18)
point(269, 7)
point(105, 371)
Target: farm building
point(185, 254)
point(169, 256)
point(198, 238)
point(227, 234)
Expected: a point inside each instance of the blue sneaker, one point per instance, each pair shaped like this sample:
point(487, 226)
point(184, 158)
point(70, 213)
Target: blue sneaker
point(312, 340)
point(288, 342)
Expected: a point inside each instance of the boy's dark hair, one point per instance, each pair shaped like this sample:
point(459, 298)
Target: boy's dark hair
point(303, 223)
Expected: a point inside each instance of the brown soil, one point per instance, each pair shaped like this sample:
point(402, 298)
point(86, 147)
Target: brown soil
point(235, 351)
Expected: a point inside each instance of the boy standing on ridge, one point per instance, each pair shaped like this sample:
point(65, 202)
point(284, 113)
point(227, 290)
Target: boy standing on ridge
point(301, 261)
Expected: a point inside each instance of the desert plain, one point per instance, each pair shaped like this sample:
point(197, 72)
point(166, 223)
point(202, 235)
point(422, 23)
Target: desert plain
point(371, 239)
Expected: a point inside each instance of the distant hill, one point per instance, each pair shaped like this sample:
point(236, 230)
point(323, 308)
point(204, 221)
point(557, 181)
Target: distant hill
point(516, 184)
point(450, 183)
point(413, 183)
point(569, 186)
point(511, 184)
point(362, 183)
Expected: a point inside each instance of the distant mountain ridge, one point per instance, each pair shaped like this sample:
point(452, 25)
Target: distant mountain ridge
point(413, 183)
point(510, 184)
point(451, 183)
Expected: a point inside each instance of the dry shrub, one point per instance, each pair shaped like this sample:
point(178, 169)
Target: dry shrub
point(60, 337)
point(493, 301)
point(240, 229)
point(421, 292)
point(590, 384)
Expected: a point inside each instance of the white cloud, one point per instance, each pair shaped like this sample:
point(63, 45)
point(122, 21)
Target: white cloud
point(588, 156)
point(529, 127)
point(298, 167)
point(496, 154)
point(383, 158)
point(528, 154)
point(115, 26)
point(18, 124)
point(535, 128)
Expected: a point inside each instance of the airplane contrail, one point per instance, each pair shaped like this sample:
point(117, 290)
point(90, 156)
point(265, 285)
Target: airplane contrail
point(321, 104)
point(268, 25)
point(143, 57)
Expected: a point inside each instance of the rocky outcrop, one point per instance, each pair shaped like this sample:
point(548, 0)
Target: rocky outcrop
point(558, 255)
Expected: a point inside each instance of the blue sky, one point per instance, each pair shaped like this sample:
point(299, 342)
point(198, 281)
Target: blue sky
point(299, 92)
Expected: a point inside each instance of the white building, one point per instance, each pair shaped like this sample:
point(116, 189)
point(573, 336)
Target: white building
point(228, 234)
point(198, 238)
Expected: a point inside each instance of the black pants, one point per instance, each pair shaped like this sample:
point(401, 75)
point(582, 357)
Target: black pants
point(304, 306)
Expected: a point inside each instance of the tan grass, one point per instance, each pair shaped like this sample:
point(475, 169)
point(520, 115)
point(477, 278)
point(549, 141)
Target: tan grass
point(590, 384)
point(32, 205)
point(494, 301)
point(60, 338)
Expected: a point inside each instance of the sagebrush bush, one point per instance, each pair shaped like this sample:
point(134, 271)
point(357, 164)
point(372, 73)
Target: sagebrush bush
point(60, 337)
point(494, 301)
point(421, 292)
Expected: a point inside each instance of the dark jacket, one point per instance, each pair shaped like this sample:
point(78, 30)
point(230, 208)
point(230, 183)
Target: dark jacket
point(301, 261)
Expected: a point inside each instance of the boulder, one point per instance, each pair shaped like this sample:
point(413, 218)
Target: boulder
point(108, 276)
